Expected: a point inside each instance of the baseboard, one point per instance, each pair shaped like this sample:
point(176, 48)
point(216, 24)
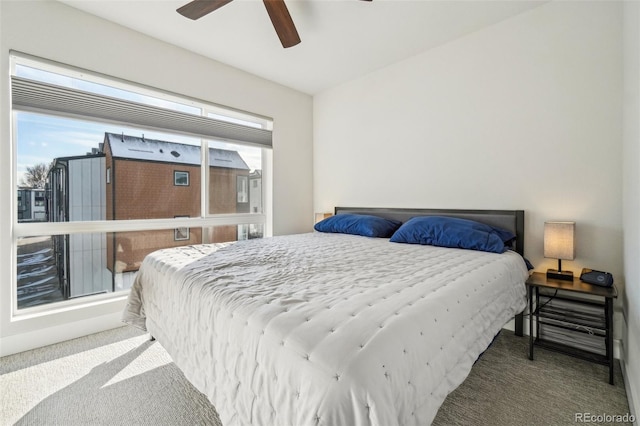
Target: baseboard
point(631, 396)
point(617, 349)
point(47, 336)
point(631, 386)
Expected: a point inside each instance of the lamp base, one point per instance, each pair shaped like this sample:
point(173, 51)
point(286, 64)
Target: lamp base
point(559, 275)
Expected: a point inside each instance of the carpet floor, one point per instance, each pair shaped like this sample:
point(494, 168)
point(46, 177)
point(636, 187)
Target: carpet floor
point(119, 377)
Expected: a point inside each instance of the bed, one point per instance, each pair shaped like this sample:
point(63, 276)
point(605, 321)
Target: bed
point(329, 328)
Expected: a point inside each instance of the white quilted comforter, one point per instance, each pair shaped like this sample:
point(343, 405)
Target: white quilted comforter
point(325, 329)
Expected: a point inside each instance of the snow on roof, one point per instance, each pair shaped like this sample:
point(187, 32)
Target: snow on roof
point(138, 148)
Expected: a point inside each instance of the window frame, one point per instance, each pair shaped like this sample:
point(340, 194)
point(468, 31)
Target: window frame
point(175, 178)
point(22, 230)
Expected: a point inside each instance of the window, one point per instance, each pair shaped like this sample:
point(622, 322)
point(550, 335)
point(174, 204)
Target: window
point(243, 232)
point(182, 233)
point(139, 209)
point(241, 186)
point(180, 178)
point(39, 199)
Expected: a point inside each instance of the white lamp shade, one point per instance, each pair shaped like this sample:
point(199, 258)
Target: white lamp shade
point(559, 240)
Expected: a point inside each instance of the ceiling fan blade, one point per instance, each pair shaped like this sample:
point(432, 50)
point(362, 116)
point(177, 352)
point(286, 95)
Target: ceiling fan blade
point(198, 8)
point(282, 22)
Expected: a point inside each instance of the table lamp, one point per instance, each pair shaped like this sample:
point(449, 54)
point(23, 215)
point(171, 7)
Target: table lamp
point(559, 243)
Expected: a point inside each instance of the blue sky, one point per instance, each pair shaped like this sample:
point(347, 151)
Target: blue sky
point(41, 138)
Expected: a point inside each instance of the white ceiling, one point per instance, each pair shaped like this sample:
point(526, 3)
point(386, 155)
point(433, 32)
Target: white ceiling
point(341, 39)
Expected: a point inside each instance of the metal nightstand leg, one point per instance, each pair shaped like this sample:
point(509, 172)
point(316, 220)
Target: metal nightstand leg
point(537, 312)
point(608, 307)
point(531, 322)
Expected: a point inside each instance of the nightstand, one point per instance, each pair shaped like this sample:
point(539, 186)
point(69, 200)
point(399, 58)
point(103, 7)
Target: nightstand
point(579, 327)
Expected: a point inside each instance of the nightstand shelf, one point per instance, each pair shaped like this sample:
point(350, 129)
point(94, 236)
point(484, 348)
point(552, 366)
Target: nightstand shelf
point(575, 326)
point(575, 352)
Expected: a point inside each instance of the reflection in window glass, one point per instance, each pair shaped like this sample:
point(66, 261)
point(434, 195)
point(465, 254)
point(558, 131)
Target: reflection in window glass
point(61, 267)
point(127, 250)
point(38, 271)
point(227, 233)
point(235, 178)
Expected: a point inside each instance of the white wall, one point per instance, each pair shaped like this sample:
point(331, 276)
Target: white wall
point(524, 114)
point(631, 197)
point(57, 32)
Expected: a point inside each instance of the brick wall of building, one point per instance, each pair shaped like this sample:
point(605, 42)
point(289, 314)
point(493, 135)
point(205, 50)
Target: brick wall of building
point(146, 190)
point(223, 195)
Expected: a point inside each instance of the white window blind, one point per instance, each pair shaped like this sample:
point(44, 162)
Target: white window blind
point(35, 96)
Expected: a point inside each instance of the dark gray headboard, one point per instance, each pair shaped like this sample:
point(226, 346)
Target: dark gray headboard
point(511, 220)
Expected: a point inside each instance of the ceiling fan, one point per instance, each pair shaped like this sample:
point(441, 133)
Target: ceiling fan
point(277, 10)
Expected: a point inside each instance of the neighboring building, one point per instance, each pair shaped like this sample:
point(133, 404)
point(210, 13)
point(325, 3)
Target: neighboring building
point(153, 179)
point(77, 188)
point(255, 203)
point(255, 191)
point(77, 192)
point(31, 205)
point(132, 177)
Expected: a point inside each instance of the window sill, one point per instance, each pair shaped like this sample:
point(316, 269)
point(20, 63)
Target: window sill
point(69, 306)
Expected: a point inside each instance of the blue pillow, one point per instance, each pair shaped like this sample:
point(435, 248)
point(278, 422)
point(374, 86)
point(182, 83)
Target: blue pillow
point(358, 224)
point(452, 232)
point(507, 237)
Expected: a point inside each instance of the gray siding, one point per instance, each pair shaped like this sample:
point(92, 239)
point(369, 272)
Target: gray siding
point(88, 271)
